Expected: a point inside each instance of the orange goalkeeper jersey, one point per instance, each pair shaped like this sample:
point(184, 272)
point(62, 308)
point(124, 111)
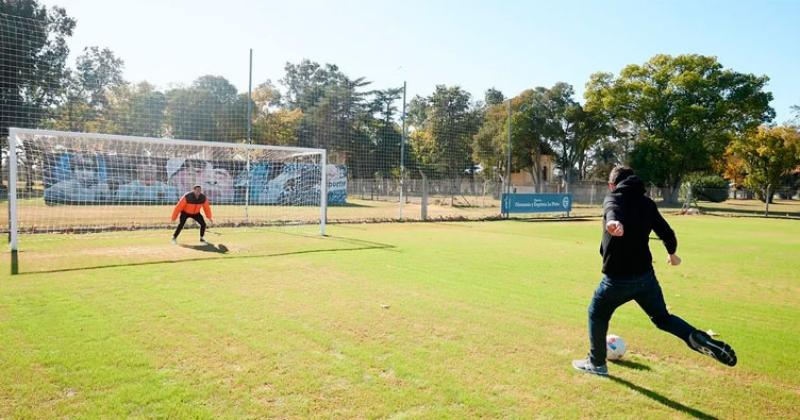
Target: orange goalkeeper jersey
point(190, 204)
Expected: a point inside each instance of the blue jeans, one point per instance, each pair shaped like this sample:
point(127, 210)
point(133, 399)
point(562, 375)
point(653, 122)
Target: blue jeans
point(613, 293)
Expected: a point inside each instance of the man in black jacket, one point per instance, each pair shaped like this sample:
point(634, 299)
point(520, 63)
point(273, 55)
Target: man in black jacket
point(628, 218)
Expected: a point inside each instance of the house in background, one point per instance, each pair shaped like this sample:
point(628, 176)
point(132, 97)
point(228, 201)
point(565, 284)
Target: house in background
point(523, 182)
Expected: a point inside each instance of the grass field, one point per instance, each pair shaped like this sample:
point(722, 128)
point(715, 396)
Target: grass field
point(35, 215)
point(467, 319)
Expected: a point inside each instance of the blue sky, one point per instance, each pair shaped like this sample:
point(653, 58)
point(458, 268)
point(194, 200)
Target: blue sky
point(510, 45)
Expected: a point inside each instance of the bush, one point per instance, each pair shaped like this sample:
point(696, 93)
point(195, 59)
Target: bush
point(707, 187)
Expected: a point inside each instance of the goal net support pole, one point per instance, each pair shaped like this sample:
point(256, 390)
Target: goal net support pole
point(13, 231)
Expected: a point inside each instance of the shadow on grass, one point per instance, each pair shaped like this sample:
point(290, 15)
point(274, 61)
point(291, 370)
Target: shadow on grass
point(662, 399)
point(732, 212)
point(208, 247)
point(222, 251)
point(352, 205)
point(555, 219)
point(630, 365)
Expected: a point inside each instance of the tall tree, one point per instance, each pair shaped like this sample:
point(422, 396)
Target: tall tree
point(444, 124)
point(386, 132)
point(681, 111)
point(570, 129)
point(33, 56)
point(210, 109)
point(768, 154)
point(136, 110)
point(490, 143)
point(306, 81)
point(272, 124)
point(531, 127)
point(493, 97)
point(88, 89)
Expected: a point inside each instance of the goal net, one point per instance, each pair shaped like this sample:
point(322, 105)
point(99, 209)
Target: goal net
point(64, 182)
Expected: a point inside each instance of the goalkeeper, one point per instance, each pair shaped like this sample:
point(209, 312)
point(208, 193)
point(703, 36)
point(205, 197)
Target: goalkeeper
point(189, 208)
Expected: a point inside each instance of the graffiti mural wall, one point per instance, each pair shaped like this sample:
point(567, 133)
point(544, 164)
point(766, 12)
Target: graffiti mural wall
point(86, 178)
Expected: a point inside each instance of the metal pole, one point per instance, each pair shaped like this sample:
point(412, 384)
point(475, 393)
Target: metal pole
point(323, 191)
point(250, 101)
point(249, 138)
point(766, 199)
point(508, 154)
point(403, 153)
point(424, 202)
point(12, 198)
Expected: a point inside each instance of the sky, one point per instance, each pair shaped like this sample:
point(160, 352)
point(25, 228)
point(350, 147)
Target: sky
point(510, 45)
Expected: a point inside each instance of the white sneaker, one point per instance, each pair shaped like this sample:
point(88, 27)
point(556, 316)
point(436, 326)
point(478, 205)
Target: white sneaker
point(585, 365)
point(203, 241)
point(174, 241)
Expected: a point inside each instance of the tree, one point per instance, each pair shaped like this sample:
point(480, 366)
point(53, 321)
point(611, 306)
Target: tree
point(278, 127)
point(490, 143)
point(136, 110)
point(306, 81)
point(602, 157)
point(493, 97)
point(33, 56)
point(570, 130)
point(444, 124)
point(270, 125)
point(681, 112)
point(530, 129)
point(768, 154)
point(210, 109)
point(88, 89)
point(337, 113)
point(386, 132)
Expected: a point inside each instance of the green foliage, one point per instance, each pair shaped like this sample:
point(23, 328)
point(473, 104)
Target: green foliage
point(493, 97)
point(767, 155)
point(209, 109)
point(706, 187)
point(490, 143)
point(87, 92)
point(34, 70)
point(681, 112)
point(443, 124)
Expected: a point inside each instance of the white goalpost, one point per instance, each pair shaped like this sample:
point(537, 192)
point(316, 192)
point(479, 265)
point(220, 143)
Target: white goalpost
point(67, 182)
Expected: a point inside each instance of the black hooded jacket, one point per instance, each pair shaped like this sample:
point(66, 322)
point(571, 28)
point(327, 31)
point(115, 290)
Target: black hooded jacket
point(629, 254)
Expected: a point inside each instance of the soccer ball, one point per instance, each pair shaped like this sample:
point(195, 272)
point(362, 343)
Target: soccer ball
point(615, 347)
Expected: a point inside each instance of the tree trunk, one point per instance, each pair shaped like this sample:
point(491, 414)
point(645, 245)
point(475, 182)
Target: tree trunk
point(670, 195)
point(534, 179)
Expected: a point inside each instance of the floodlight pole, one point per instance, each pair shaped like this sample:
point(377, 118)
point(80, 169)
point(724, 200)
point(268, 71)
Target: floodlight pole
point(249, 139)
point(402, 153)
point(508, 153)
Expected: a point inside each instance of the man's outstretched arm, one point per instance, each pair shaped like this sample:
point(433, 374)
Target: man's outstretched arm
point(667, 236)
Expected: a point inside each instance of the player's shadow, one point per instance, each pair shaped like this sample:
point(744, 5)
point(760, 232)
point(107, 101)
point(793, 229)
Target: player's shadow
point(655, 396)
point(208, 247)
point(630, 364)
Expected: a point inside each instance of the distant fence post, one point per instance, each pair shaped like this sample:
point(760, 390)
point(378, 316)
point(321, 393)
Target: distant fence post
point(508, 154)
point(423, 211)
point(766, 199)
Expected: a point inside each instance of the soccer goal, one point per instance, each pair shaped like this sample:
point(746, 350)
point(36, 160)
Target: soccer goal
point(71, 183)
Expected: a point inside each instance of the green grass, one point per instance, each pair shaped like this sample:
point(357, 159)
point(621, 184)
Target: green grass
point(455, 320)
